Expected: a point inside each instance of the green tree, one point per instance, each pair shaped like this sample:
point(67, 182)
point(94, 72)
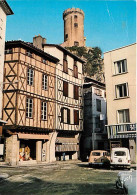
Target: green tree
point(92, 56)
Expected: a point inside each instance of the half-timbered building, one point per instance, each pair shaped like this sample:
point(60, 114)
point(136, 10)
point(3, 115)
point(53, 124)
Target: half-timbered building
point(29, 103)
point(69, 102)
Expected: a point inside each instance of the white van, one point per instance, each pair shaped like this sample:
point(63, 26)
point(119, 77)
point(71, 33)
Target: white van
point(120, 157)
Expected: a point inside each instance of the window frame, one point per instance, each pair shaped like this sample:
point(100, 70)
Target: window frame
point(43, 111)
point(43, 82)
point(63, 118)
point(29, 81)
point(124, 116)
point(118, 67)
point(122, 90)
point(98, 107)
point(29, 114)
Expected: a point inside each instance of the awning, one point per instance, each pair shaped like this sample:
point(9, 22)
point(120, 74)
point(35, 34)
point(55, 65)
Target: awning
point(32, 136)
point(66, 140)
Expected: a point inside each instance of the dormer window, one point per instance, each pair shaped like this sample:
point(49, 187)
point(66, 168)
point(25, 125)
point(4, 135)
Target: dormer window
point(28, 53)
point(8, 51)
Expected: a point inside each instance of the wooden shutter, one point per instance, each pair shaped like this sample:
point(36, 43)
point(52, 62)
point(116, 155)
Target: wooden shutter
point(68, 116)
point(76, 117)
point(76, 92)
point(65, 88)
point(62, 114)
point(75, 69)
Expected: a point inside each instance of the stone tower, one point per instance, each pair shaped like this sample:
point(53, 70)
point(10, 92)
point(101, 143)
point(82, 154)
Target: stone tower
point(73, 27)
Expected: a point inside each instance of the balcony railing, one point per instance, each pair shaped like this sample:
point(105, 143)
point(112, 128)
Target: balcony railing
point(125, 130)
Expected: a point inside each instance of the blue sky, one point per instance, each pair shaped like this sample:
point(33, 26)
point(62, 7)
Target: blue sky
point(107, 24)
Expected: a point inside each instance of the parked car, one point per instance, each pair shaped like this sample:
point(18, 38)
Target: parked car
point(100, 158)
point(120, 157)
point(126, 182)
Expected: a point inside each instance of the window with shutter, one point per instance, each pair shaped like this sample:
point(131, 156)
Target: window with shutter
point(76, 92)
point(65, 88)
point(65, 64)
point(76, 117)
point(75, 69)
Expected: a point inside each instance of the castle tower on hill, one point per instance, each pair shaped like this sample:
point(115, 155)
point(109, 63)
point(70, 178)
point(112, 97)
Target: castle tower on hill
point(73, 27)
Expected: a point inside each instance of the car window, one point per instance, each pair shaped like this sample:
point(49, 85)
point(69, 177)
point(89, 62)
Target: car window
point(95, 153)
point(120, 153)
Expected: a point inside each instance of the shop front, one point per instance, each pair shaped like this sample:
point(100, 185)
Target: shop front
point(66, 148)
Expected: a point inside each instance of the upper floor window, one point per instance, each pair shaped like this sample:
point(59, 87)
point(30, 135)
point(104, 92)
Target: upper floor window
point(44, 110)
point(66, 36)
point(121, 90)
point(29, 108)
point(45, 81)
point(120, 66)
point(75, 69)
point(76, 117)
point(43, 61)
point(123, 116)
point(76, 43)
point(98, 105)
point(76, 92)
point(29, 53)
point(75, 16)
point(65, 88)
point(65, 64)
point(76, 25)
point(30, 75)
point(8, 51)
point(65, 115)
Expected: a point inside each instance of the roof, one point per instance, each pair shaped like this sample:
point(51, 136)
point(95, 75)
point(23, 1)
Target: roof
point(6, 7)
point(30, 46)
point(65, 51)
point(120, 48)
point(89, 82)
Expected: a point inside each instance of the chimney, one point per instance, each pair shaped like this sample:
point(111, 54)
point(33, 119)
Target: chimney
point(38, 41)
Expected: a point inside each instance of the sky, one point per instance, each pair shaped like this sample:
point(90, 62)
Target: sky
point(107, 24)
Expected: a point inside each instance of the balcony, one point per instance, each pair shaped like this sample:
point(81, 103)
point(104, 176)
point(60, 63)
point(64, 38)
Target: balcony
point(126, 130)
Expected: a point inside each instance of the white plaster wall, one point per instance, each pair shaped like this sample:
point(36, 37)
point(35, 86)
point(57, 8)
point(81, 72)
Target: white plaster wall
point(113, 105)
point(2, 48)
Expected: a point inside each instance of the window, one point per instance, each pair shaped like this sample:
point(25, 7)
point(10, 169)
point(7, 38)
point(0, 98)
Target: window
point(44, 110)
point(98, 92)
point(30, 75)
point(120, 66)
point(75, 69)
point(120, 153)
point(66, 36)
point(123, 116)
point(65, 64)
point(76, 117)
point(121, 90)
point(96, 154)
point(28, 53)
point(98, 105)
point(8, 51)
point(76, 92)
point(45, 81)
point(65, 115)
point(43, 61)
point(76, 25)
point(29, 107)
point(76, 43)
point(65, 88)
point(75, 16)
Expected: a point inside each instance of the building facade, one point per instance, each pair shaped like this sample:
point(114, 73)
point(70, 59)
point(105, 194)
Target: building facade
point(120, 74)
point(73, 28)
point(69, 102)
point(5, 10)
point(94, 136)
point(28, 104)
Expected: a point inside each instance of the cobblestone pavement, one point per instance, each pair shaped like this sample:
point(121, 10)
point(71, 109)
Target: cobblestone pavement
point(60, 178)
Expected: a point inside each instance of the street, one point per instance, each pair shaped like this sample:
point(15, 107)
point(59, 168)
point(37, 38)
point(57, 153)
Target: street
point(63, 178)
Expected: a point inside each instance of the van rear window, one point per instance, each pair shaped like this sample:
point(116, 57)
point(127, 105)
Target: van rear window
point(120, 153)
point(96, 153)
